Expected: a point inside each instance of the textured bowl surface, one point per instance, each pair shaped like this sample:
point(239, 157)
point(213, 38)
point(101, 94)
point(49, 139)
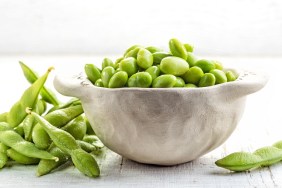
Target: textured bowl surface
point(163, 126)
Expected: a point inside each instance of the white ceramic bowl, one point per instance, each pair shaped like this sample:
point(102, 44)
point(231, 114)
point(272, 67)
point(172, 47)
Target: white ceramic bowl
point(163, 126)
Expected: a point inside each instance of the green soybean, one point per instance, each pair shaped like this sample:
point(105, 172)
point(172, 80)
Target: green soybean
point(193, 75)
point(218, 65)
point(174, 65)
point(129, 65)
point(118, 80)
point(82, 160)
point(220, 76)
point(99, 83)
point(46, 94)
point(92, 72)
point(77, 128)
point(10, 138)
point(132, 48)
point(208, 79)
point(106, 75)
point(230, 76)
point(20, 158)
point(133, 53)
point(158, 56)
point(188, 47)
point(177, 48)
point(191, 59)
point(144, 58)
point(29, 98)
point(190, 86)
point(164, 81)
point(153, 49)
point(140, 79)
point(205, 65)
point(154, 71)
point(179, 82)
point(107, 62)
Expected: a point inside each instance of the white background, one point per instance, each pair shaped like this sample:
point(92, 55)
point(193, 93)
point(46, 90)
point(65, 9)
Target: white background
point(217, 27)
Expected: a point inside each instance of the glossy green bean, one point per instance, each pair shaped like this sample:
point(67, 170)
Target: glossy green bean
point(193, 75)
point(220, 76)
point(92, 72)
point(188, 47)
point(179, 82)
point(132, 48)
point(106, 75)
point(174, 65)
point(144, 58)
point(191, 59)
point(31, 76)
point(140, 79)
point(208, 79)
point(107, 62)
point(154, 71)
point(29, 98)
point(177, 48)
point(230, 76)
point(153, 49)
point(129, 65)
point(164, 81)
point(158, 56)
point(82, 160)
point(133, 53)
point(99, 83)
point(118, 80)
point(205, 65)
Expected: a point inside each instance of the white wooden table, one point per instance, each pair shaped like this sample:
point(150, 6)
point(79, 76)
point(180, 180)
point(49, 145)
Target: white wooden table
point(261, 125)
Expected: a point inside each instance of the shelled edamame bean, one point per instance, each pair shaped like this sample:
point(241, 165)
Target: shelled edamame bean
point(180, 62)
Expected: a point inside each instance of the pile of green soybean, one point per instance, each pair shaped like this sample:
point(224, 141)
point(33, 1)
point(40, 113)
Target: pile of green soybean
point(40, 130)
point(151, 66)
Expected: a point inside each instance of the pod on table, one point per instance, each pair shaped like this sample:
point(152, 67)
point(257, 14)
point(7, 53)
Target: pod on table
point(28, 99)
point(46, 166)
point(174, 65)
point(164, 81)
point(205, 65)
point(58, 118)
point(118, 80)
point(106, 75)
point(92, 72)
point(3, 155)
point(46, 94)
point(20, 158)
point(77, 128)
point(82, 160)
point(220, 76)
point(129, 65)
point(177, 48)
point(140, 79)
point(208, 79)
point(193, 75)
point(107, 62)
point(144, 58)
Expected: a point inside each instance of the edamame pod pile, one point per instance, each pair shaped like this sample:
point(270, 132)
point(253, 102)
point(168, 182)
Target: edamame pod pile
point(25, 140)
point(177, 68)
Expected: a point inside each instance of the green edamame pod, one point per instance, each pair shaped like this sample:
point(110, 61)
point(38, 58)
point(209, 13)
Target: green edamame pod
point(20, 158)
point(3, 117)
point(86, 146)
point(132, 48)
point(31, 76)
point(92, 72)
point(82, 160)
point(269, 155)
point(41, 106)
point(19, 129)
point(129, 65)
point(46, 166)
point(188, 47)
point(158, 56)
point(106, 75)
point(177, 48)
point(179, 82)
point(144, 58)
point(10, 138)
point(28, 124)
point(107, 62)
point(230, 76)
point(140, 79)
point(174, 65)
point(154, 71)
point(205, 65)
point(193, 75)
point(77, 128)
point(191, 59)
point(58, 118)
point(99, 83)
point(89, 130)
point(3, 155)
point(220, 76)
point(118, 80)
point(72, 102)
point(29, 98)
point(94, 140)
point(153, 49)
point(164, 81)
point(208, 79)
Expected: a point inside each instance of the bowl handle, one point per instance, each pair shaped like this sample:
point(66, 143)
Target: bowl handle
point(248, 82)
point(74, 86)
